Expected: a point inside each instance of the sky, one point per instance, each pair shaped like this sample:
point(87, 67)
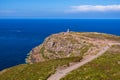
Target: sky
point(78, 9)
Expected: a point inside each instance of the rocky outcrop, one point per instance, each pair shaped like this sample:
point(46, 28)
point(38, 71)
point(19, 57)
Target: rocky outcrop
point(68, 44)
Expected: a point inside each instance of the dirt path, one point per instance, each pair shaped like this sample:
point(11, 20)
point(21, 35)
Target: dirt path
point(61, 73)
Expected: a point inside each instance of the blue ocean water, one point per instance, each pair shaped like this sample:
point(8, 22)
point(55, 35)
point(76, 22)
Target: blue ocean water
point(19, 36)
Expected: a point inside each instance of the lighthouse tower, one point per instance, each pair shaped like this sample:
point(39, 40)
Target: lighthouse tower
point(68, 30)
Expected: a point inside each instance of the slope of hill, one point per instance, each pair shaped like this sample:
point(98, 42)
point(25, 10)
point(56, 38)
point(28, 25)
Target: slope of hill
point(37, 71)
point(58, 51)
point(69, 44)
point(106, 67)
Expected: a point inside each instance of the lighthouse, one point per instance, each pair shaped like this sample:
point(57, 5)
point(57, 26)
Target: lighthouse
point(68, 30)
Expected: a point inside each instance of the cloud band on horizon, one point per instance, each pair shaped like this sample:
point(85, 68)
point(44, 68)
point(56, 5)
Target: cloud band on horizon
point(96, 8)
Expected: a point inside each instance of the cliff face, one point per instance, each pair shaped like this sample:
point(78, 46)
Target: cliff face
point(69, 44)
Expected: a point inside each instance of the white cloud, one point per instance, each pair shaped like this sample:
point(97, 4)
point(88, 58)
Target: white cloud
point(99, 8)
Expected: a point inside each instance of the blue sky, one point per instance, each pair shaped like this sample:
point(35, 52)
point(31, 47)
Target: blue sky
point(60, 9)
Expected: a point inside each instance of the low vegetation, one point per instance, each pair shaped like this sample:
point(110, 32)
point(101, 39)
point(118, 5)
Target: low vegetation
point(101, 36)
point(106, 67)
point(37, 71)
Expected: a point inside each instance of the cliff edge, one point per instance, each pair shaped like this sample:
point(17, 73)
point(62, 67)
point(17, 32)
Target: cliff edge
point(69, 44)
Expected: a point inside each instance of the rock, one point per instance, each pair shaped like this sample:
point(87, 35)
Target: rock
point(70, 44)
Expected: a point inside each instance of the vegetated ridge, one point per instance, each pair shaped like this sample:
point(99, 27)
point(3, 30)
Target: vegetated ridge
point(58, 51)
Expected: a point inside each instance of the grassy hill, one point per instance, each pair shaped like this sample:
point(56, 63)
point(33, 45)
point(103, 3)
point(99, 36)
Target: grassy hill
point(59, 50)
point(106, 67)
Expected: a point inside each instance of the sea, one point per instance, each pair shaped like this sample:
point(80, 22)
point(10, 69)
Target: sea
point(19, 36)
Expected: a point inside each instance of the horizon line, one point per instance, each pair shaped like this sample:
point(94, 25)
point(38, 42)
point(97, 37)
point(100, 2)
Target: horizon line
point(59, 18)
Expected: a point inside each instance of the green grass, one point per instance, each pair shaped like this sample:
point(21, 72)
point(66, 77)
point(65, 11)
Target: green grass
point(106, 67)
point(102, 36)
point(38, 71)
point(84, 49)
point(42, 50)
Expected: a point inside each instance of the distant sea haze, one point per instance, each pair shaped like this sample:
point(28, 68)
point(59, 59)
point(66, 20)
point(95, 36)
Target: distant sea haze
point(19, 36)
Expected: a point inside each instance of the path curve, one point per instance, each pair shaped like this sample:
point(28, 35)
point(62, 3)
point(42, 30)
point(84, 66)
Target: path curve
point(61, 73)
